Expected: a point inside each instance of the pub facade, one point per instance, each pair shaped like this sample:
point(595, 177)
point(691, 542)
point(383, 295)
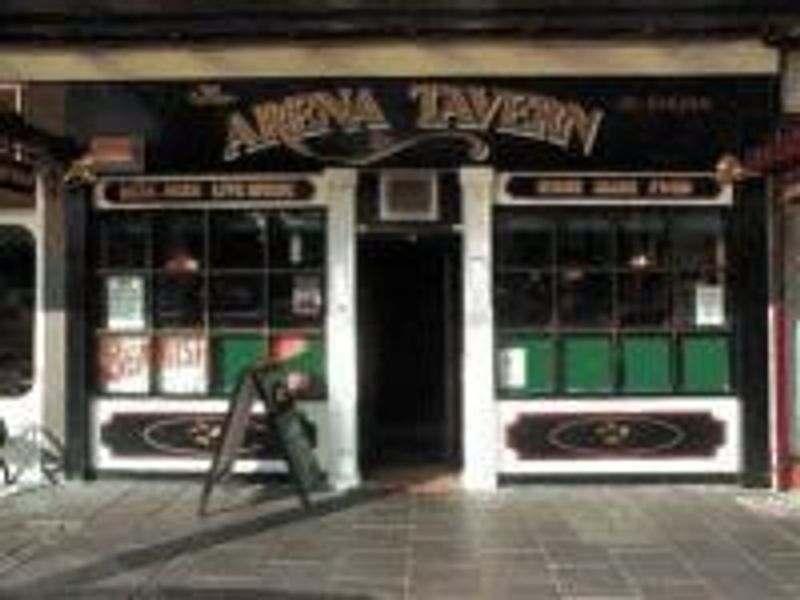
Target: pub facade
point(517, 264)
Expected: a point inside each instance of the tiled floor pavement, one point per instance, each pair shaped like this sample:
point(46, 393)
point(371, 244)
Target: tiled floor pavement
point(121, 539)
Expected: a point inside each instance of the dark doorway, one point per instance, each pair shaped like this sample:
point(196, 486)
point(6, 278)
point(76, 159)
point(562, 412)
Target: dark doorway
point(409, 306)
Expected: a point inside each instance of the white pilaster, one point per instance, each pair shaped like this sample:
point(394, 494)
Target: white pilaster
point(340, 196)
point(479, 433)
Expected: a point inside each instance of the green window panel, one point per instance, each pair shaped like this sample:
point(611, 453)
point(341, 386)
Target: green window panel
point(705, 364)
point(526, 365)
point(588, 364)
point(232, 354)
point(646, 364)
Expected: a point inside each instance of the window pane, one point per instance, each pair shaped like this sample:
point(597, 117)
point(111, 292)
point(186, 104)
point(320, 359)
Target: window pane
point(179, 300)
point(585, 298)
point(643, 241)
point(179, 241)
point(237, 300)
point(238, 240)
point(643, 299)
point(295, 300)
point(297, 239)
point(124, 239)
point(17, 309)
point(524, 298)
point(585, 241)
point(698, 241)
point(524, 241)
point(301, 357)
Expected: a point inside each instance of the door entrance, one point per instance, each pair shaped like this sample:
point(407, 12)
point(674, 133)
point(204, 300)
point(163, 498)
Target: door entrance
point(409, 324)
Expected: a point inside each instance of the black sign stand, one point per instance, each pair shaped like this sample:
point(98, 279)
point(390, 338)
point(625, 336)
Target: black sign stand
point(284, 419)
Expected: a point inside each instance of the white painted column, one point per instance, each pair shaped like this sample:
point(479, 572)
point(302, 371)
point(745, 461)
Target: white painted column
point(479, 433)
point(340, 195)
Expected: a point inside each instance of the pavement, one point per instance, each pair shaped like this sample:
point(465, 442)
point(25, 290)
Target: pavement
point(144, 539)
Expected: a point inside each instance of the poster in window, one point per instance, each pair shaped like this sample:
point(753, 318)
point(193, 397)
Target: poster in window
point(124, 363)
point(125, 302)
point(513, 368)
point(709, 305)
point(183, 364)
point(306, 296)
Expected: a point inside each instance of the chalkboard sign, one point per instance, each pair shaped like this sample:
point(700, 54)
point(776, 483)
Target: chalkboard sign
point(294, 437)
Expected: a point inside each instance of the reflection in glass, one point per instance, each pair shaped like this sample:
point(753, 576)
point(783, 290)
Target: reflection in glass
point(17, 309)
point(124, 239)
point(585, 241)
point(179, 242)
point(642, 242)
point(524, 241)
point(297, 239)
point(237, 300)
point(179, 300)
point(585, 298)
point(238, 239)
point(644, 299)
point(524, 298)
point(698, 241)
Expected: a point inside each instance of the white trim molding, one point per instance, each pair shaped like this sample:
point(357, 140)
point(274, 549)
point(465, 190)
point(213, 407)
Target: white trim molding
point(456, 57)
point(480, 469)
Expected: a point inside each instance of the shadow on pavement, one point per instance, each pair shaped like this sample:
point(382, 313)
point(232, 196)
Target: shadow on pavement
point(71, 584)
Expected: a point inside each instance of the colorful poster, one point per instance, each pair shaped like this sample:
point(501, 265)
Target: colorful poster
point(125, 302)
point(124, 364)
point(182, 364)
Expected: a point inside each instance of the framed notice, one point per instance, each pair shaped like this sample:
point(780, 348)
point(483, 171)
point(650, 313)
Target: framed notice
point(124, 363)
point(182, 364)
point(709, 305)
point(125, 302)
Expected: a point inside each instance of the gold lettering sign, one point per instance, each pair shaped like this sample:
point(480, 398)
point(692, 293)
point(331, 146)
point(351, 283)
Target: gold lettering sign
point(437, 110)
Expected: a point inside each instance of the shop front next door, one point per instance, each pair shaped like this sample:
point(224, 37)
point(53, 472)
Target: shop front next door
point(409, 350)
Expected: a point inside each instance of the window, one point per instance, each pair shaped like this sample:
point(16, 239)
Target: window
point(17, 309)
point(188, 299)
point(612, 301)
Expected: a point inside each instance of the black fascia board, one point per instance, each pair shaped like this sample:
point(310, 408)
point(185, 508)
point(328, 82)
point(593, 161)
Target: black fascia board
point(328, 18)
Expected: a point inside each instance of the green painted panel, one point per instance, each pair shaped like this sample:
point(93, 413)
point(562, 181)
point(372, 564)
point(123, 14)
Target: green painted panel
point(646, 364)
point(232, 354)
point(526, 364)
point(588, 364)
point(705, 364)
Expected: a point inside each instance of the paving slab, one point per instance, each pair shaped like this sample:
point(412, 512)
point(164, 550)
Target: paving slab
point(141, 539)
